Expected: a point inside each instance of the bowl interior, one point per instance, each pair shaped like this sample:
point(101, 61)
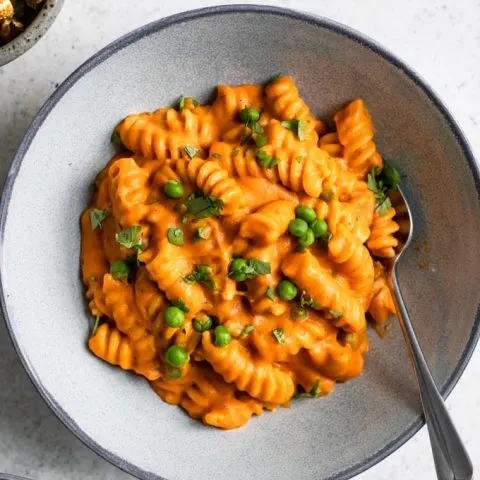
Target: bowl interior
point(68, 143)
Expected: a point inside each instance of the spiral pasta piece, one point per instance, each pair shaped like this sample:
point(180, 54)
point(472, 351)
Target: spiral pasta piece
point(355, 131)
point(128, 191)
point(331, 144)
point(284, 100)
point(233, 413)
point(354, 260)
point(231, 100)
point(261, 380)
point(165, 134)
point(307, 272)
point(94, 265)
point(381, 242)
point(269, 222)
point(112, 346)
point(382, 304)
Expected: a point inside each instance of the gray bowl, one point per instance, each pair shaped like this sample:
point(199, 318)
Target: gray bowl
point(116, 414)
point(33, 33)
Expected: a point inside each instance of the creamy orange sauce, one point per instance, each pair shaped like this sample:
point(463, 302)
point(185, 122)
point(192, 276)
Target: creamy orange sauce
point(286, 348)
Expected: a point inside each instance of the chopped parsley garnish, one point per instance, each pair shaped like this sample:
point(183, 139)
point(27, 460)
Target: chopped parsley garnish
point(241, 269)
point(201, 206)
point(183, 101)
point(297, 127)
point(265, 160)
point(96, 324)
point(335, 314)
point(279, 335)
point(191, 151)
point(97, 216)
point(307, 301)
point(130, 238)
point(235, 152)
point(298, 313)
point(179, 303)
point(270, 293)
point(313, 393)
point(201, 274)
point(380, 181)
point(115, 139)
point(246, 330)
point(261, 140)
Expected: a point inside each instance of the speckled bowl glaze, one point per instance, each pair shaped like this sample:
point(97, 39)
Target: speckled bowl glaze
point(117, 414)
point(33, 33)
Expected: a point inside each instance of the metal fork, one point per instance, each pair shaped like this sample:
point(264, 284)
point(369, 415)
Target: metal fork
point(451, 459)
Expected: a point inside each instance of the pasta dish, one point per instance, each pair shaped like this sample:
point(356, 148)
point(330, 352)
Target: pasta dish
point(232, 253)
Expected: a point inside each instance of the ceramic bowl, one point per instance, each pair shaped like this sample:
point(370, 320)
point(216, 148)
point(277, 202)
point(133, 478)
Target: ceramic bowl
point(33, 33)
point(50, 183)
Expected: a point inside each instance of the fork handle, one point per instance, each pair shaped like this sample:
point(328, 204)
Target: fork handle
point(451, 459)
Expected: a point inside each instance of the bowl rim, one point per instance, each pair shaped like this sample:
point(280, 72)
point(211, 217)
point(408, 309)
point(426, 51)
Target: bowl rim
point(161, 24)
point(24, 42)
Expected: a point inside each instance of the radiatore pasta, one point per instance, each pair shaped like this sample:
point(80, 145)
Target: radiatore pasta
point(233, 253)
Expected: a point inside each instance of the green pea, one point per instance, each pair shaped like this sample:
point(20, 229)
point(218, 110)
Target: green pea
point(286, 290)
point(308, 239)
point(201, 326)
point(176, 356)
point(222, 336)
point(237, 269)
point(174, 317)
point(173, 189)
point(298, 227)
point(305, 213)
point(175, 236)
point(249, 115)
point(319, 228)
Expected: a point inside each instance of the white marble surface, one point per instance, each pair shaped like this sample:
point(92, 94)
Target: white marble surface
point(438, 38)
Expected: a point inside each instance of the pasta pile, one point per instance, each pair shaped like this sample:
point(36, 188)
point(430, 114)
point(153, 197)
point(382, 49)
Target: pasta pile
point(232, 252)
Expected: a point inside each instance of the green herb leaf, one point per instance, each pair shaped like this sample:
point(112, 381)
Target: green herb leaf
point(261, 140)
point(270, 293)
point(115, 139)
point(129, 238)
point(246, 330)
point(315, 391)
point(97, 216)
point(235, 152)
point(216, 155)
point(298, 313)
point(201, 206)
point(120, 269)
point(266, 160)
point(179, 303)
point(279, 335)
point(380, 181)
point(307, 301)
point(175, 236)
point(327, 195)
point(96, 325)
point(251, 268)
point(181, 103)
point(191, 151)
point(335, 314)
point(257, 128)
point(201, 274)
point(297, 127)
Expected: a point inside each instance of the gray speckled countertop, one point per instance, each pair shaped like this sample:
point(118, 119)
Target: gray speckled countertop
point(438, 38)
